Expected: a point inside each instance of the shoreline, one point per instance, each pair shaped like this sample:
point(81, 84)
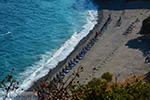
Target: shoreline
point(83, 42)
point(116, 55)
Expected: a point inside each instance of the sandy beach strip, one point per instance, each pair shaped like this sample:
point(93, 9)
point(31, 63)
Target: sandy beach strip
point(122, 55)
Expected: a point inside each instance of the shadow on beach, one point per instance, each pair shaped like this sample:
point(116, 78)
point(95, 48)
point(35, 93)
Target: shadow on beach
point(140, 43)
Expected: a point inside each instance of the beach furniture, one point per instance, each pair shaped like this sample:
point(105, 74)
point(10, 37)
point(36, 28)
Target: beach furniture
point(101, 31)
point(84, 51)
point(71, 64)
point(76, 60)
point(55, 80)
point(62, 74)
point(58, 76)
point(65, 70)
point(68, 67)
point(87, 48)
point(95, 39)
point(90, 43)
point(79, 57)
point(53, 87)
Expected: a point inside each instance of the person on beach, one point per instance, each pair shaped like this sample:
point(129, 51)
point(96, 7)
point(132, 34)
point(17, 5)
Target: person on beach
point(109, 16)
point(137, 20)
point(119, 22)
point(96, 33)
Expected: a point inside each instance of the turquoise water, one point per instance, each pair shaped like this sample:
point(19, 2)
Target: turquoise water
point(36, 34)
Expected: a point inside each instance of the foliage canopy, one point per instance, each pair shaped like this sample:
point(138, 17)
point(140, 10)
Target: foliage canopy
point(145, 30)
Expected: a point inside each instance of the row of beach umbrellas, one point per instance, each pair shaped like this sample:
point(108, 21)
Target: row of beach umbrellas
point(76, 59)
point(81, 55)
point(130, 28)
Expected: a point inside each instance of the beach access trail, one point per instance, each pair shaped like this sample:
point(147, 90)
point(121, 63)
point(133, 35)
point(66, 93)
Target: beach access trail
point(114, 52)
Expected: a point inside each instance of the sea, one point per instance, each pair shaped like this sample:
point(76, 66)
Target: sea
point(37, 34)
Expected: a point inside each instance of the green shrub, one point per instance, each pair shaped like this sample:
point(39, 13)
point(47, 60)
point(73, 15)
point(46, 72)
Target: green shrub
point(90, 91)
point(97, 89)
point(107, 76)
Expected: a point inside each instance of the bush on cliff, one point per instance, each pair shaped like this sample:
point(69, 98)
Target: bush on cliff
point(107, 76)
point(145, 30)
point(137, 90)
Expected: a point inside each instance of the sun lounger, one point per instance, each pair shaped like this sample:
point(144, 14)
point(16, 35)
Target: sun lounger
point(62, 74)
point(71, 64)
point(55, 80)
point(68, 67)
point(84, 51)
point(79, 57)
point(76, 60)
point(65, 71)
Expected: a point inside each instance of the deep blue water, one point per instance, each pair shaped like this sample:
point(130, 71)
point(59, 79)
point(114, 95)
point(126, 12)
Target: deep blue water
point(36, 34)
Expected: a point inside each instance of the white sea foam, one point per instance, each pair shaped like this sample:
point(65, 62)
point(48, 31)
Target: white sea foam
point(49, 61)
point(6, 33)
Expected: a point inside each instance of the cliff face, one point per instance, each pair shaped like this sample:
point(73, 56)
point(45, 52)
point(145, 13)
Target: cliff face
point(145, 30)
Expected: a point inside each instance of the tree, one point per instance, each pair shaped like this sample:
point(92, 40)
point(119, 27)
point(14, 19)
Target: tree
point(145, 30)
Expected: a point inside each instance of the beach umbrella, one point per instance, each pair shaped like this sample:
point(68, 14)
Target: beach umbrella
point(69, 64)
point(84, 51)
point(73, 62)
point(72, 65)
point(79, 57)
point(95, 39)
point(87, 48)
point(90, 44)
point(76, 60)
point(58, 76)
point(68, 67)
point(55, 80)
point(62, 75)
point(65, 71)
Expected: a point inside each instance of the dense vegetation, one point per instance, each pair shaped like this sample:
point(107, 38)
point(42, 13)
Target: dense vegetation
point(145, 30)
point(98, 89)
